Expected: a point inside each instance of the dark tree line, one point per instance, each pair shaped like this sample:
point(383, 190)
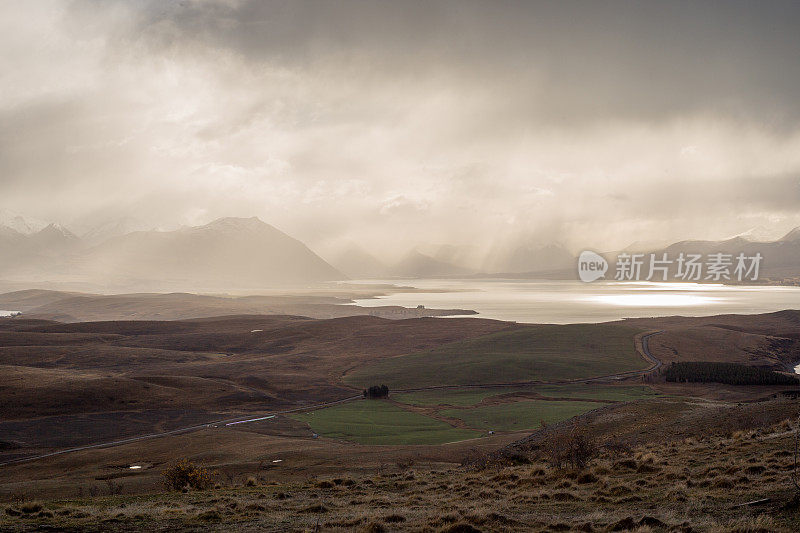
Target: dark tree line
point(376, 391)
point(729, 373)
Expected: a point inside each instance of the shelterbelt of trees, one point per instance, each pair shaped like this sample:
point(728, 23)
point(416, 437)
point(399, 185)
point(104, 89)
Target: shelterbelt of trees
point(729, 373)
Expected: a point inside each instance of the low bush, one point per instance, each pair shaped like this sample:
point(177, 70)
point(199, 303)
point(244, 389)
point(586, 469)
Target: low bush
point(185, 474)
point(30, 507)
point(574, 447)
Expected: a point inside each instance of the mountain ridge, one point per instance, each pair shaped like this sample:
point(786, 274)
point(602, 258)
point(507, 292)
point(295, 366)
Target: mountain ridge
point(228, 252)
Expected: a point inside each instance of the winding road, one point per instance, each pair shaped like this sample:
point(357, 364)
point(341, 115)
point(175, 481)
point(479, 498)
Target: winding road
point(642, 348)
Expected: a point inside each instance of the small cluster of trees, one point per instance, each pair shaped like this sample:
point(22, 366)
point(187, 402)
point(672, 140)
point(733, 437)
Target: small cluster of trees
point(376, 391)
point(729, 373)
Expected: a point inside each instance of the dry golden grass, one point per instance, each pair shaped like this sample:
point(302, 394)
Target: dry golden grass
point(694, 484)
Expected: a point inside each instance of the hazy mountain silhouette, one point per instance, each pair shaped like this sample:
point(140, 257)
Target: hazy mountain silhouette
point(114, 228)
point(42, 251)
point(531, 258)
point(417, 265)
point(231, 252)
point(227, 253)
point(781, 258)
point(792, 236)
point(248, 253)
point(54, 239)
point(20, 223)
point(9, 236)
point(357, 263)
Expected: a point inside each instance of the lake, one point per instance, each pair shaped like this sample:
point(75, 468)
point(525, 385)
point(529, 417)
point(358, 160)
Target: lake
point(563, 302)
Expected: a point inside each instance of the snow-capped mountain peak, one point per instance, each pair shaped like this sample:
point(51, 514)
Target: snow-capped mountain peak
point(56, 229)
point(757, 234)
point(20, 223)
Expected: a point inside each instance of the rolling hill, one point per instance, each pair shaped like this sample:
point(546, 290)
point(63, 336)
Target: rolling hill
point(538, 352)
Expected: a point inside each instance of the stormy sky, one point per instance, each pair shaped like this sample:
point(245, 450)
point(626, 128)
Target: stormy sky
point(400, 122)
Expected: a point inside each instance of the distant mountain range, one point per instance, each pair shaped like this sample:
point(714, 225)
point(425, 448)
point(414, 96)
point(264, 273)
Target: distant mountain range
point(227, 253)
point(781, 257)
point(448, 261)
point(780, 261)
point(247, 253)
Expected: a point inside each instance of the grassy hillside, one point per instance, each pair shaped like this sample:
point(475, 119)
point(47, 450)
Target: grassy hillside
point(380, 422)
point(535, 353)
point(131, 376)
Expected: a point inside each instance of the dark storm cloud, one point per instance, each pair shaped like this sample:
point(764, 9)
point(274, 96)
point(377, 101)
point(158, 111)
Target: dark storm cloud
point(562, 61)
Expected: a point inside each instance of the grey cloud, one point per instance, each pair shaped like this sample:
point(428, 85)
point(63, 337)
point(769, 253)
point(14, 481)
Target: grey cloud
point(457, 120)
point(561, 62)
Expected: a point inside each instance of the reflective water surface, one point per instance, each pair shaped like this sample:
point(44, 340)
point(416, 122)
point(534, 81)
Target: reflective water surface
point(564, 302)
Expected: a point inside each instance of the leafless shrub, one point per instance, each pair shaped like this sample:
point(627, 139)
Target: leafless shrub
point(615, 446)
point(573, 447)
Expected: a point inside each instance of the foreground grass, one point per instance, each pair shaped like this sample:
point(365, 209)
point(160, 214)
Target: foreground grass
point(694, 484)
point(519, 415)
point(467, 397)
point(545, 353)
point(380, 422)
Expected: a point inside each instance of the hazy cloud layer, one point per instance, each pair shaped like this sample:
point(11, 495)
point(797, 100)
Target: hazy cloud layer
point(390, 123)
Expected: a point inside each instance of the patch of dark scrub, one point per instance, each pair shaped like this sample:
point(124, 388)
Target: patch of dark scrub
point(277, 347)
point(728, 373)
point(6, 445)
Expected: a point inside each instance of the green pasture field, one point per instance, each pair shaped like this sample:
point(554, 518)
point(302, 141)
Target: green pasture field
point(381, 422)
